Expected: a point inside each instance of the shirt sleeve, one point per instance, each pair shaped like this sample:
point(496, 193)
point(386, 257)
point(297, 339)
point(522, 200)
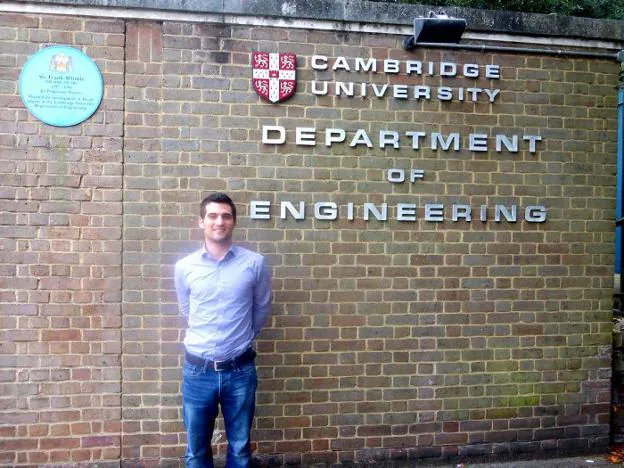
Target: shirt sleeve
point(262, 296)
point(182, 290)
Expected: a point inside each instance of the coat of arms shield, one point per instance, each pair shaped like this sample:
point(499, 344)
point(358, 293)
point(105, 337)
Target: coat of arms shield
point(274, 75)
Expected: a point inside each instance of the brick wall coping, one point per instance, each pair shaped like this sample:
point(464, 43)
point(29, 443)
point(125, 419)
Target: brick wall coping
point(357, 12)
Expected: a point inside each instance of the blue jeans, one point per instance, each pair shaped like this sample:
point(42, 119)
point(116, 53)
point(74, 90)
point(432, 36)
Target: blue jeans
point(202, 392)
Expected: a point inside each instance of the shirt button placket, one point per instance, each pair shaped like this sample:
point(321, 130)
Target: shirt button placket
point(219, 282)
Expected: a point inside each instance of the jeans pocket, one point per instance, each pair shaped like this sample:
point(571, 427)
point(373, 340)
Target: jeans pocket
point(190, 370)
point(247, 372)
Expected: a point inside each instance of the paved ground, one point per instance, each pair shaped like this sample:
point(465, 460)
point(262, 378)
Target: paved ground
point(570, 462)
point(565, 462)
point(562, 462)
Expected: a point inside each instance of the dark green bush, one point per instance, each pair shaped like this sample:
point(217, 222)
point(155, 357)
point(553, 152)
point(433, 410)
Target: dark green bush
point(611, 9)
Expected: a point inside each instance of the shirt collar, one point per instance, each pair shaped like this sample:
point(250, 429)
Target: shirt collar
point(232, 251)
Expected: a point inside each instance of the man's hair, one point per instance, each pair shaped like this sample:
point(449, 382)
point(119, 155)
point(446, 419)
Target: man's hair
point(218, 197)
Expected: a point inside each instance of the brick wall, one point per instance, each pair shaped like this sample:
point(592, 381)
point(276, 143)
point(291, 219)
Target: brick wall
point(387, 339)
point(60, 280)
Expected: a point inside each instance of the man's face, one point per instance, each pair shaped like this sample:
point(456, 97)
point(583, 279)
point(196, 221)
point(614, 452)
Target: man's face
point(218, 223)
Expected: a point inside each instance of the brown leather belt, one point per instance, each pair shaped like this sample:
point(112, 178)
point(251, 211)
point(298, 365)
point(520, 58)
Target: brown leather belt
point(229, 364)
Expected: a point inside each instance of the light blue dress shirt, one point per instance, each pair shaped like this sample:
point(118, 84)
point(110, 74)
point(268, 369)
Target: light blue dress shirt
point(225, 302)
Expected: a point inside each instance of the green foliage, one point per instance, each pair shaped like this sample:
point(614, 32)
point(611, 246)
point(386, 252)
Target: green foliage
point(611, 9)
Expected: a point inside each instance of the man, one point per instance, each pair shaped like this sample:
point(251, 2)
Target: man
point(224, 292)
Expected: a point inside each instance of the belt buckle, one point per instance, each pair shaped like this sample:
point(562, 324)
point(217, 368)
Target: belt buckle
point(216, 366)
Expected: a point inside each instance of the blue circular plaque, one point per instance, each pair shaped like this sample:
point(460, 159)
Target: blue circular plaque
point(61, 86)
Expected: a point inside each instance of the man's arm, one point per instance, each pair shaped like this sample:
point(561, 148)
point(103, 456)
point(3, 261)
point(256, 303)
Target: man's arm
point(262, 297)
point(182, 291)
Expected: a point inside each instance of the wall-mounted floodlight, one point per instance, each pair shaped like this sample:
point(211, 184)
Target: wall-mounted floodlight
point(437, 28)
